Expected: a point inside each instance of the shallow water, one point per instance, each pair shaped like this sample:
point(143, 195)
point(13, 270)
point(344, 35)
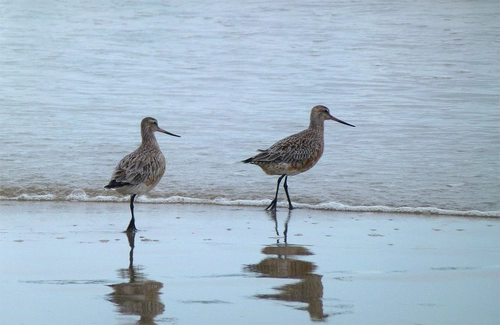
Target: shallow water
point(419, 80)
point(69, 263)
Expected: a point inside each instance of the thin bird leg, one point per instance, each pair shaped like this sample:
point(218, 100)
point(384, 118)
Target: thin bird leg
point(285, 186)
point(131, 226)
point(272, 206)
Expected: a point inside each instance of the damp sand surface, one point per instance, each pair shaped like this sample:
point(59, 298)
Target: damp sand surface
point(70, 263)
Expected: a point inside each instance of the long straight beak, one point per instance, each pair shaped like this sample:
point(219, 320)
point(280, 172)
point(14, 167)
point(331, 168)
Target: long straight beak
point(166, 132)
point(340, 121)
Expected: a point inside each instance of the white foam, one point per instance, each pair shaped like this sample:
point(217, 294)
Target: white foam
point(77, 195)
point(80, 195)
point(409, 210)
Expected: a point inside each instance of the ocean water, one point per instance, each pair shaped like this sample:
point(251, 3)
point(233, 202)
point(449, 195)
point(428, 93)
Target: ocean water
point(419, 79)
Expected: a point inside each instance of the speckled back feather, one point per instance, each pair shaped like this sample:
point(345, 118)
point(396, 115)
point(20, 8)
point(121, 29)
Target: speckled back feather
point(297, 153)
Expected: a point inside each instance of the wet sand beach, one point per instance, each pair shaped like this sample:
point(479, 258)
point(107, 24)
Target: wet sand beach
point(70, 263)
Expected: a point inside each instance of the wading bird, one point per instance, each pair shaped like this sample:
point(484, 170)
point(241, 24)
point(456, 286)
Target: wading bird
point(139, 172)
point(295, 154)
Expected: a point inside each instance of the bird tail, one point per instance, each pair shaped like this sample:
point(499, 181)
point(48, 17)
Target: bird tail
point(115, 184)
point(246, 161)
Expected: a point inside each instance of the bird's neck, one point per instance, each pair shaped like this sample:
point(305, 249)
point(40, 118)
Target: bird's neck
point(148, 139)
point(317, 126)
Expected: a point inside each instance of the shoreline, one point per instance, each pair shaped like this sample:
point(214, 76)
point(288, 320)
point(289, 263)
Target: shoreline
point(331, 206)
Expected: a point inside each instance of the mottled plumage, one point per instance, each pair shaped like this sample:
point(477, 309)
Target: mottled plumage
point(139, 172)
point(295, 154)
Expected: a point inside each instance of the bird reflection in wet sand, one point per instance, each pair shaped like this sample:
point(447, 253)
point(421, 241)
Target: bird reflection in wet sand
point(138, 296)
point(283, 264)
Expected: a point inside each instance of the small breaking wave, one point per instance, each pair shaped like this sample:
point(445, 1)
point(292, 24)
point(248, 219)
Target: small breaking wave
point(407, 210)
point(80, 195)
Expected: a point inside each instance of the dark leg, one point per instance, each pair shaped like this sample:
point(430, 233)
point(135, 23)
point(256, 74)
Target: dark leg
point(131, 226)
point(272, 206)
point(285, 185)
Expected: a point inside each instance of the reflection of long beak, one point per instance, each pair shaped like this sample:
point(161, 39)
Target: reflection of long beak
point(340, 121)
point(174, 135)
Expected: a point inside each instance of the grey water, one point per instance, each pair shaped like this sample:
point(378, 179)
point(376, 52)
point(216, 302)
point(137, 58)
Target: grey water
point(420, 80)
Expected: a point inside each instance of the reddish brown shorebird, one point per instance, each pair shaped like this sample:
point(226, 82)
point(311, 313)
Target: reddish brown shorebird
point(295, 154)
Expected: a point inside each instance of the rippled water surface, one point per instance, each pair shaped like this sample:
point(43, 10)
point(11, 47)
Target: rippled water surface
point(420, 80)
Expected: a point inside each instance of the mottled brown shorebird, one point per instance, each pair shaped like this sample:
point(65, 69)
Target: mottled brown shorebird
point(139, 172)
point(295, 154)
